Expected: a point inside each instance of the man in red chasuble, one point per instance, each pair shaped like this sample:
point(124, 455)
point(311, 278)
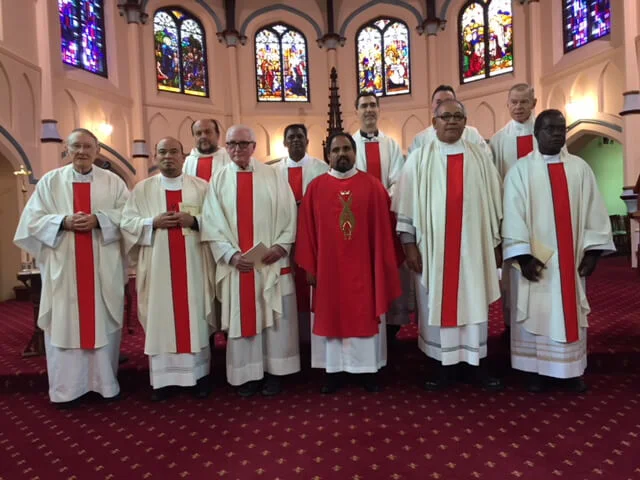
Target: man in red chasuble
point(346, 244)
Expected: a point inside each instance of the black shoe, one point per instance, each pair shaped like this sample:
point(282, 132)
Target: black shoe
point(115, 398)
point(122, 359)
point(576, 385)
point(66, 405)
point(536, 383)
point(492, 384)
point(444, 378)
point(370, 382)
point(203, 387)
point(272, 386)
point(249, 389)
point(160, 394)
point(392, 333)
point(333, 383)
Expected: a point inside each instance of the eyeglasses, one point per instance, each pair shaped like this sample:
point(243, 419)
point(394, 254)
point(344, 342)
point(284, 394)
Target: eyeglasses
point(447, 117)
point(240, 145)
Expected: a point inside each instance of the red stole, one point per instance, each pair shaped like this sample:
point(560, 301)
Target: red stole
point(372, 150)
point(525, 145)
point(244, 205)
point(452, 240)
point(85, 278)
point(302, 287)
point(179, 288)
point(204, 168)
point(295, 182)
point(566, 258)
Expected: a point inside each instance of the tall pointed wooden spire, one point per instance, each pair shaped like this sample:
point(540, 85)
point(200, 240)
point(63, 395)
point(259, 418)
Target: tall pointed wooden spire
point(335, 115)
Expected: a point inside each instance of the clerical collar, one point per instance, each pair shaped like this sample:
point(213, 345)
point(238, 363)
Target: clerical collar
point(171, 183)
point(292, 163)
point(526, 127)
point(371, 135)
point(82, 177)
point(552, 158)
point(450, 148)
point(249, 168)
point(343, 175)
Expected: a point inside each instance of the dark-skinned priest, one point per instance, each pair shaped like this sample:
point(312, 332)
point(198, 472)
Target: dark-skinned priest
point(346, 243)
point(555, 228)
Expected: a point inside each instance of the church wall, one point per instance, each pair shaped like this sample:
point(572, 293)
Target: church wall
point(17, 27)
point(168, 113)
point(606, 162)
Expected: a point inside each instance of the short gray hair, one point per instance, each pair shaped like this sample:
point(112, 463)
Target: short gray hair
point(450, 100)
point(522, 87)
point(236, 128)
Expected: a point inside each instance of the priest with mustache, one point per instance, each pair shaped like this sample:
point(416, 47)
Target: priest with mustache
point(206, 157)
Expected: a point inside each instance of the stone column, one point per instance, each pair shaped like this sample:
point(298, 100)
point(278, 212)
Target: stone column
point(534, 52)
point(232, 38)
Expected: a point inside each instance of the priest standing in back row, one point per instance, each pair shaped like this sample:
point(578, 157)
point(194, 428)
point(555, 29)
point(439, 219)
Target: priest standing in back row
point(174, 272)
point(206, 156)
point(381, 156)
point(346, 244)
point(70, 225)
point(513, 142)
point(555, 228)
point(449, 211)
point(250, 205)
point(298, 170)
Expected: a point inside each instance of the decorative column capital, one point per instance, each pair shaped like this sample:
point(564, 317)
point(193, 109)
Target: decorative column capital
point(49, 131)
point(231, 38)
point(631, 103)
point(331, 41)
point(140, 149)
point(431, 26)
point(132, 10)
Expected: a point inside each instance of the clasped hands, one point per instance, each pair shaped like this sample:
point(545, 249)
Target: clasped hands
point(173, 220)
point(274, 254)
point(80, 222)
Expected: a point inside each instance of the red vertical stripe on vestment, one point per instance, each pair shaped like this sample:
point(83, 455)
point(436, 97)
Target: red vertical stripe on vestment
point(372, 151)
point(244, 203)
point(204, 168)
point(566, 257)
point(179, 285)
point(295, 182)
point(525, 145)
point(85, 278)
point(452, 240)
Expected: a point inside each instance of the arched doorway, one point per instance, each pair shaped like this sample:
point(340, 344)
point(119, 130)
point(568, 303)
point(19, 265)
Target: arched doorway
point(10, 257)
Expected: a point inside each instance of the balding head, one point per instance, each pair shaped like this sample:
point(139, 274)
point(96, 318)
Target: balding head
point(241, 143)
point(521, 102)
point(169, 156)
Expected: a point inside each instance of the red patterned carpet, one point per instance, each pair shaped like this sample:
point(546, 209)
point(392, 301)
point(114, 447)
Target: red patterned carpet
point(401, 433)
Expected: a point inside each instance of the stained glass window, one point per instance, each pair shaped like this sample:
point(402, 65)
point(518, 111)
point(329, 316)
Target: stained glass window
point(382, 53)
point(584, 21)
point(485, 52)
point(82, 35)
point(181, 60)
point(281, 64)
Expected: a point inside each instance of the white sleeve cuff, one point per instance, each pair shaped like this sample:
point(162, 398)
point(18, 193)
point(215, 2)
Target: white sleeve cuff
point(110, 231)
point(512, 251)
point(405, 225)
point(146, 238)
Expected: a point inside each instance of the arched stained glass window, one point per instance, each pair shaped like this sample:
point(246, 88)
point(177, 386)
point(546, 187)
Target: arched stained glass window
point(181, 58)
point(382, 54)
point(82, 35)
point(282, 73)
point(585, 21)
point(485, 52)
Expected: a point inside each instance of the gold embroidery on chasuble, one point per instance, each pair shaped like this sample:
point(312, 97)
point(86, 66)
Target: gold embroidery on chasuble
point(347, 218)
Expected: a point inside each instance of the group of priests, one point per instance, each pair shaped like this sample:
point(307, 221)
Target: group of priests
point(333, 255)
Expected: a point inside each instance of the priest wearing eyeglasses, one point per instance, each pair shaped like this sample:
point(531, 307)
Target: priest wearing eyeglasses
point(250, 218)
point(449, 210)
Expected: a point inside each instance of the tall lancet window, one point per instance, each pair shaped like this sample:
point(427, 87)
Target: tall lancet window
point(485, 32)
point(181, 57)
point(382, 55)
point(585, 21)
point(82, 35)
point(282, 72)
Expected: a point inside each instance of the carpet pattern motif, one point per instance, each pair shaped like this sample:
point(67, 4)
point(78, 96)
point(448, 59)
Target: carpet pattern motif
point(400, 433)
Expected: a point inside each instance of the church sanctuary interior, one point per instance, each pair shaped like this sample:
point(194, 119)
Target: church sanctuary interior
point(136, 71)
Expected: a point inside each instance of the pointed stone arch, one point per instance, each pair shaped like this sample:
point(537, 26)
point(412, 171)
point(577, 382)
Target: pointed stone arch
point(484, 119)
point(410, 128)
point(5, 97)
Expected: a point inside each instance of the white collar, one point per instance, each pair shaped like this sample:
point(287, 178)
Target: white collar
point(552, 158)
point(301, 163)
point(524, 128)
point(450, 148)
point(197, 154)
point(343, 175)
point(169, 183)
point(83, 177)
point(250, 167)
